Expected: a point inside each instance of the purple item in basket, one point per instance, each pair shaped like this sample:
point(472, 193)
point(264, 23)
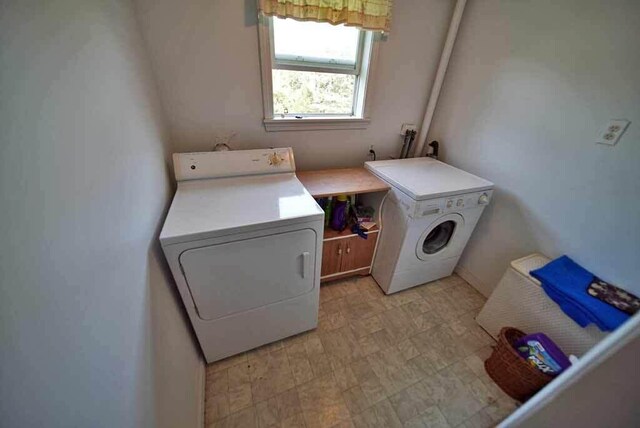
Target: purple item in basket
point(542, 353)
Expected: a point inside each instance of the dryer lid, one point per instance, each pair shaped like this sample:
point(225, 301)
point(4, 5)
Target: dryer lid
point(427, 178)
point(204, 209)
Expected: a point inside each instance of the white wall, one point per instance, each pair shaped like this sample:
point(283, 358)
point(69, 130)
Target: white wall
point(91, 331)
point(206, 56)
point(529, 87)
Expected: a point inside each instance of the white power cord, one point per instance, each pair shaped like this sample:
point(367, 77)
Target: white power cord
point(375, 250)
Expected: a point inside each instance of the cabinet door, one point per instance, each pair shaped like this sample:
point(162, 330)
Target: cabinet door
point(358, 252)
point(331, 256)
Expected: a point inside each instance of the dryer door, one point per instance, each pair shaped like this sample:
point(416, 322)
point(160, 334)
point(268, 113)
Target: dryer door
point(238, 276)
point(438, 239)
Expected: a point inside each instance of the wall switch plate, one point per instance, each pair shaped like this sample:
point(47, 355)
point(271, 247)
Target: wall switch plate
point(407, 127)
point(613, 131)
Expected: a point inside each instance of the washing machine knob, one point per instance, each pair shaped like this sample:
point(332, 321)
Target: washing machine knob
point(483, 199)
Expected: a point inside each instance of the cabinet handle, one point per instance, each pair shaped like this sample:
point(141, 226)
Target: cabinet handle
point(339, 251)
point(348, 249)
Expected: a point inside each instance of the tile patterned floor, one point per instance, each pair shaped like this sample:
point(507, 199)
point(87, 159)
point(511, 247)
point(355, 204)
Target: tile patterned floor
point(412, 359)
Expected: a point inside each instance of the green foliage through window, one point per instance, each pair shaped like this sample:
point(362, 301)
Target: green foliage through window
point(309, 93)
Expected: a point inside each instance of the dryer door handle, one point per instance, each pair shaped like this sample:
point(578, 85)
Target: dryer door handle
point(305, 264)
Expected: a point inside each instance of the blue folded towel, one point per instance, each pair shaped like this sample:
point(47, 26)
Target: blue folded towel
point(566, 283)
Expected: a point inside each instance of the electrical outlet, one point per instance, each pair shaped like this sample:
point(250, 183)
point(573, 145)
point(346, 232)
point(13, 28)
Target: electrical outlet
point(407, 127)
point(613, 131)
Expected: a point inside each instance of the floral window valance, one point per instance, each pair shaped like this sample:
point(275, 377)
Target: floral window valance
point(366, 14)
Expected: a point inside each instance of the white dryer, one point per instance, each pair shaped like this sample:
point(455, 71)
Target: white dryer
point(243, 239)
point(427, 219)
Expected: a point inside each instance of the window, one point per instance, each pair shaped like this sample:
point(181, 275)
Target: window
point(314, 75)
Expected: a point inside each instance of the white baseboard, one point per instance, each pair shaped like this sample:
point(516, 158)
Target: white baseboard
point(473, 280)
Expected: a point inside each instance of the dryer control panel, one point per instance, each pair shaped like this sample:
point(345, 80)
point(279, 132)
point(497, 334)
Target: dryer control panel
point(233, 163)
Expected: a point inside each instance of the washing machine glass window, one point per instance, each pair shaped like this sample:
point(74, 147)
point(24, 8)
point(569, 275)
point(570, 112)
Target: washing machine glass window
point(439, 237)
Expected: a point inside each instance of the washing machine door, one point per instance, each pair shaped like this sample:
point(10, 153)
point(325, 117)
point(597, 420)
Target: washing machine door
point(438, 239)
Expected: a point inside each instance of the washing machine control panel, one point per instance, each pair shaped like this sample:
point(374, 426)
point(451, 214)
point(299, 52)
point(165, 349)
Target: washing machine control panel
point(439, 206)
point(451, 204)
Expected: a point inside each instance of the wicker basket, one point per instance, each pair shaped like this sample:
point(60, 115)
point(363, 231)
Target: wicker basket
point(513, 374)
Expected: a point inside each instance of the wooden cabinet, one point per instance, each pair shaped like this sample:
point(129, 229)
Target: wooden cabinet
point(344, 253)
point(358, 252)
point(348, 254)
point(331, 256)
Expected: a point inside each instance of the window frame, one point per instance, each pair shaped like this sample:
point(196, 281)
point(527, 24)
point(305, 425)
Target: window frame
point(365, 64)
point(316, 64)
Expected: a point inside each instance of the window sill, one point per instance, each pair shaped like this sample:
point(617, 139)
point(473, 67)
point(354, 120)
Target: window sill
point(315, 124)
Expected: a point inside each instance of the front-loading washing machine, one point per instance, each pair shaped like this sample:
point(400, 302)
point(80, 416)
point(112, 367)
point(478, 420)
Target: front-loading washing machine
point(427, 219)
